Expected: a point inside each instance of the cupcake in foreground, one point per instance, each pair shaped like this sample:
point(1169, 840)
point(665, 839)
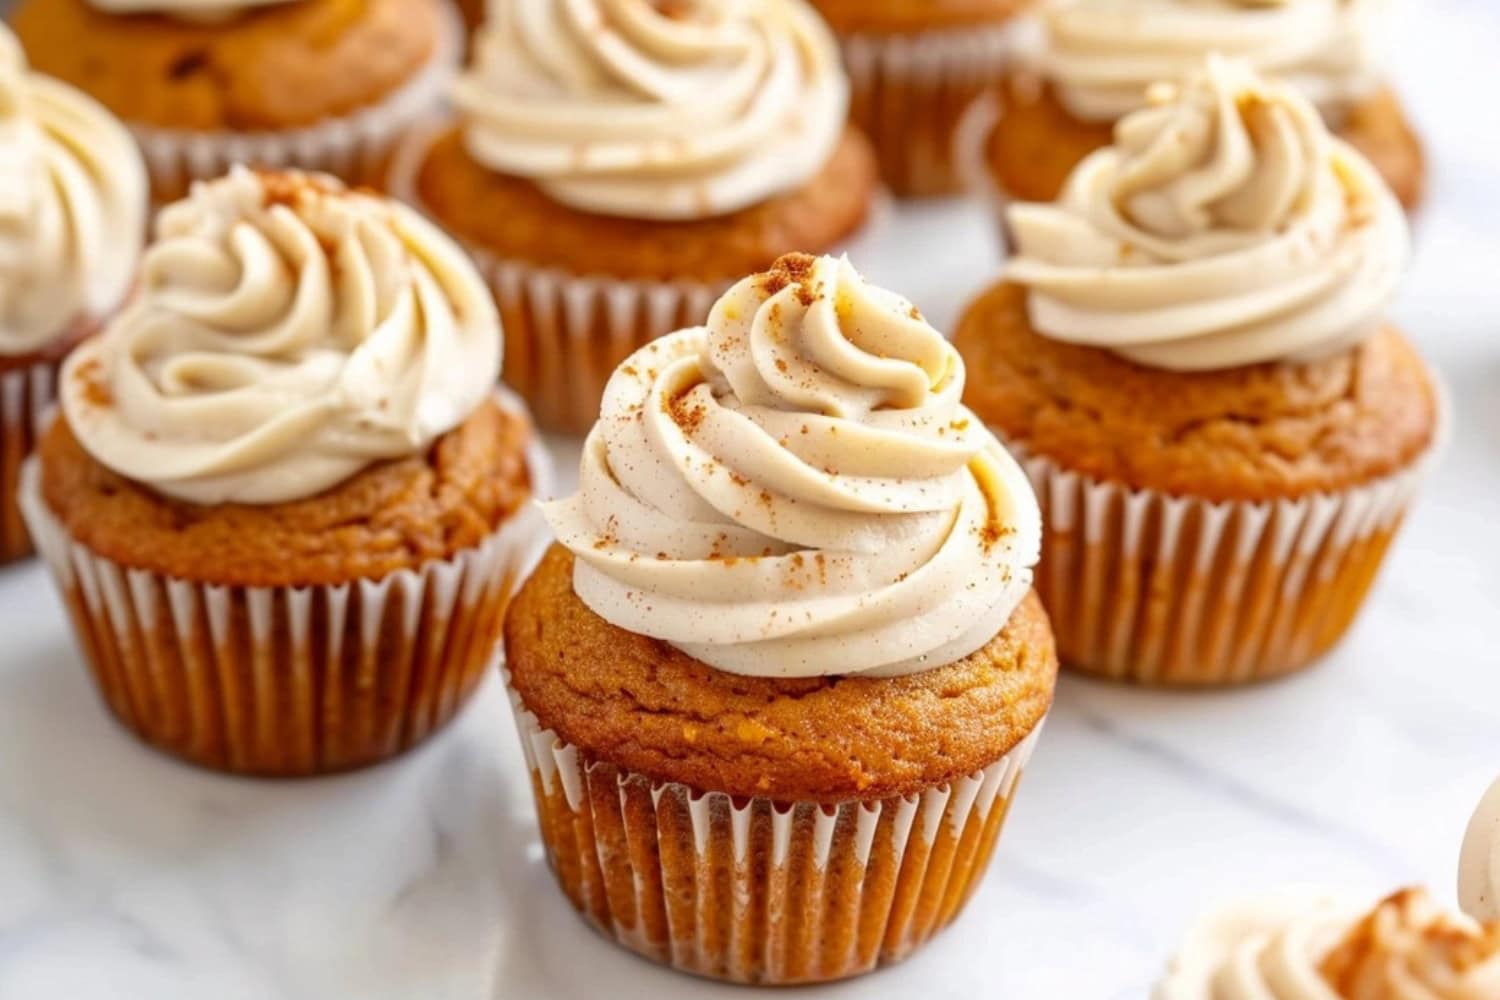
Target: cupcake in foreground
point(204, 84)
point(72, 222)
point(282, 504)
point(1099, 58)
point(616, 166)
point(778, 683)
point(1308, 947)
point(915, 69)
point(1191, 352)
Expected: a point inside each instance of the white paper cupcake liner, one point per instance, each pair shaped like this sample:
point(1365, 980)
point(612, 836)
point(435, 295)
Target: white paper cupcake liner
point(909, 93)
point(25, 396)
point(757, 890)
point(1156, 589)
point(565, 333)
point(288, 681)
point(352, 147)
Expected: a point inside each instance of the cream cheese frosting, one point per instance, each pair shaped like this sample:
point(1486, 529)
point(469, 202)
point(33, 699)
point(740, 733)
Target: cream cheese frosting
point(1224, 227)
point(1479, 862)
point(1101, 56)
point(796, 490)
point(1298, 946)
point(72, 207)
point(288, 333)
point(655, 109)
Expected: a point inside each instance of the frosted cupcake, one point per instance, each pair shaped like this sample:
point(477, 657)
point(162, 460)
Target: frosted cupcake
point(916, 67)
point(204, 84)
point(616, 166)
point(1191, 350)
point(779, 680)
point(72, 222)
point(1099, 58)
point(282, 504)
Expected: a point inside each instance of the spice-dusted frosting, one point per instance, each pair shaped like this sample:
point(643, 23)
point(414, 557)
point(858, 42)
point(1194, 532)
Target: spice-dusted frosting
point(1298, 947)
point(652, 109)
point(72, 206)
point(1479, 863)
point(795, 489)
point(288, 332)
point(1101, 56)
point(1224, 227)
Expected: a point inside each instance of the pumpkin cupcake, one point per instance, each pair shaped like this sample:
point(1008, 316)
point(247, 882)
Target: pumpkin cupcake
point(318, 84)
point(915, 68)
point(1098, 58)
point(72, 222)
point(616, 166)
point(778, 683)
point(1191, 351)
point(282, 504)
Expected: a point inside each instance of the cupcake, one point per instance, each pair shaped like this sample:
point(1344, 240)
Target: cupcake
point(616, 166)
point(72, 221)
point(318, 84)
point(1309, 947)
point(915, 69)
point(1099, 58)
point(283, 506)
point(778, 683)
point(1190, 351)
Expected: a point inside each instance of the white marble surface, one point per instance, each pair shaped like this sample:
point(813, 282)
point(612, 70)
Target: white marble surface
point(123, 874)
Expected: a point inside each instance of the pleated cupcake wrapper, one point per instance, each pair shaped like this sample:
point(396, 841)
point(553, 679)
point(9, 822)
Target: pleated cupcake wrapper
point(566, 333)
point(26, 394)
point(911, 91)
point(756, 890)
point(352, 147)
point(287, 681)
point(1157, 589)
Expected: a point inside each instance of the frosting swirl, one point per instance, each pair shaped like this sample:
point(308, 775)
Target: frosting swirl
point(1479, 863)
point(1310, 947)
point(1224, 227)
point(795, 490)
point(287, 334)
point(1101, 56)
point(72, 206)
point(655, 109)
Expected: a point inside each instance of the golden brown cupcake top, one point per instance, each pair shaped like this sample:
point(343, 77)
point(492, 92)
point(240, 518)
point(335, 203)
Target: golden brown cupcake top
point(1256, 433)
point(278, 67)
point(645, 706)
point(910, 17)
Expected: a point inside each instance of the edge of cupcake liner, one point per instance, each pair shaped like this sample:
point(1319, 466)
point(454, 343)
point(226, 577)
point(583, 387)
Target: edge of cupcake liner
point(346, 146)
point(26, 398)
point(879, 877)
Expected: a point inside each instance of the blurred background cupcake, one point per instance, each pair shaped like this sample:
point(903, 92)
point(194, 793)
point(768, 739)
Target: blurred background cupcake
point(1098, 58)
point(72, 222)
point(1191, 349)
point(779, 681)
point(916, 67)
point(616, 166)
point(320, 84)
point(282, 504)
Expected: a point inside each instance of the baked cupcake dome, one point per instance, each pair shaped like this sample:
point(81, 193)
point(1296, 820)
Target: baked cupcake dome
point(738, 678)
point(1099, 59)
point(204, 84)
point(1191, 354)
point(74, 217)
point(612, 196)
point(283, 508)
point(915, 69)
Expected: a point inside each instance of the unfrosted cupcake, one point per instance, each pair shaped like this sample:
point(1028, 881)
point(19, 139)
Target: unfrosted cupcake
point(616, 166)
point(1100, 57)
point(1192, 352)
point(318, 84)
point(778, 683)
point(282, 504)
point(72, 221)
point(916, 67)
